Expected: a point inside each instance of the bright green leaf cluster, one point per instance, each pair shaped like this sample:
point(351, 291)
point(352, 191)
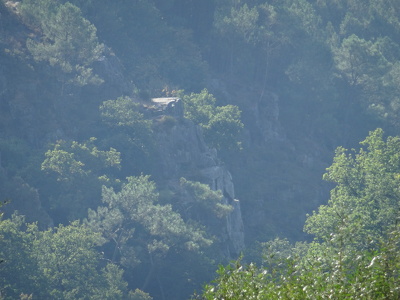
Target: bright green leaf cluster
point(59, 263)
point(221, 124)
point(71, 160)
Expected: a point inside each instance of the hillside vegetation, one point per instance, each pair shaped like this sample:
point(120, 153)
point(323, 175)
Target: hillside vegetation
point(109, 195)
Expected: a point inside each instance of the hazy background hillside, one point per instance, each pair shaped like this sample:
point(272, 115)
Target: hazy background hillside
point(268, 90)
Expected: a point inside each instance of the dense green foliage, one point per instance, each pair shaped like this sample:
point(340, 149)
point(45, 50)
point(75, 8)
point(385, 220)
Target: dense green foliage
point(205, 200)
point(221, 124)
point(68, 40)
point(108, 209)
point(135, 206)
point(79, 170)
point(355, 254)
point(55, 264)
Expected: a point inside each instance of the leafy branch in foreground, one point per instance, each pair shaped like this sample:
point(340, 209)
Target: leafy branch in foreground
point(355, 254)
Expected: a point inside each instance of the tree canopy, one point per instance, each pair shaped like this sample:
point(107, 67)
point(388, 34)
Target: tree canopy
point(69, 40)
point(55, 264)
point(113, 195)
point(355, 251)
point(221, 124)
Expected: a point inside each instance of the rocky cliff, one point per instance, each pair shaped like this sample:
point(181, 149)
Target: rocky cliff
point(278, 173)
point(39, 109)
point(183, 153)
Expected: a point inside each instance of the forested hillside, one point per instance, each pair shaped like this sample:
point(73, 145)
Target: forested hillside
point(145, 142)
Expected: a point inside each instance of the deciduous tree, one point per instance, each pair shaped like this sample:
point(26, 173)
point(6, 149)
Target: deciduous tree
point(355, 253)
point(59, 263)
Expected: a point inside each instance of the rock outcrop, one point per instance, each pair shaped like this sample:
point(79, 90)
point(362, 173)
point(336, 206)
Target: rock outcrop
point(184, 153)
point(262, 119)
point(110, 69)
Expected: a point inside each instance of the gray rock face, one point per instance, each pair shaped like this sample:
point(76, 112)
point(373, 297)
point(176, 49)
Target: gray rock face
point(263, 117)
point(235, 229)
point(219, 178)
point(110, 69)
point(183, 152)
point(3, 84)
